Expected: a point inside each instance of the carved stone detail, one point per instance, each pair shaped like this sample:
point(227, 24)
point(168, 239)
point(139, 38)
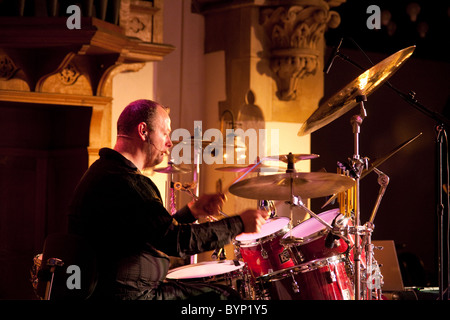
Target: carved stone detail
point(295, 33)
point(69, 75)
point(138, 18)
point(7, 67)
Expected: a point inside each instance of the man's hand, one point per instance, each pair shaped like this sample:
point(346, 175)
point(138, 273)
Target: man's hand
point(253, 220)
point(207, 205)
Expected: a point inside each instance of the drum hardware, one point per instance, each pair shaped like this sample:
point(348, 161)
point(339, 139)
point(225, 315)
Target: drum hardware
point(269, 206)
point(345, 167)
point(170, 195)
point(219, 254)
point(441, 123)
point(356, 93)
point(295, 286)
point(383, 181)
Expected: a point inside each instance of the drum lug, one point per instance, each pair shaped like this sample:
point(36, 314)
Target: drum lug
point(237, 253)
point(295, 286)
point(264, 253)
point(331, 276)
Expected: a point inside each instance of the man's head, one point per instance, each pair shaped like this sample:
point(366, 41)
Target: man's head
point(143, 132)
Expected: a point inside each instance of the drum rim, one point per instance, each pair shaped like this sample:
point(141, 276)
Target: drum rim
point(313, 236)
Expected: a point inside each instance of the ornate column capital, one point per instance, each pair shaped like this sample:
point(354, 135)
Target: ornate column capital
point(295, 30)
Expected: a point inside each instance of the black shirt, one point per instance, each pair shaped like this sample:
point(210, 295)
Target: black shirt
point(121, 213)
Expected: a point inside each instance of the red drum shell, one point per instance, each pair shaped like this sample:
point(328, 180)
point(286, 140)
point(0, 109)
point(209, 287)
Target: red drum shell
point(323, 279)
point(263, 251)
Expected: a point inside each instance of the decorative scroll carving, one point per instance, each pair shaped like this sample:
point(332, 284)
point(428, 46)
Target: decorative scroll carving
point(295, 33)
point(69, 75)
point(7, 67)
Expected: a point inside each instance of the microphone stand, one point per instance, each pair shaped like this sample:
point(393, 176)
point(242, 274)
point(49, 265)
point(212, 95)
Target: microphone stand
point(442, 123)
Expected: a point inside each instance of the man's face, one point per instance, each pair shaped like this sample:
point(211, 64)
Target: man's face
point(159, 139)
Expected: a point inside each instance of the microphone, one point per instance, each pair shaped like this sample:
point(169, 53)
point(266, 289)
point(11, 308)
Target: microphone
point(333, 55)
point(165, 152)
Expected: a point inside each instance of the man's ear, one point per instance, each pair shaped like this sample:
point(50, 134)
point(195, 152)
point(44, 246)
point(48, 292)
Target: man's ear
point(142, 131)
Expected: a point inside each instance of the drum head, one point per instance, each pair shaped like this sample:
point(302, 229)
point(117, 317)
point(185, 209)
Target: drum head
point(312, 225)
point(204, 269)
point(271, 226)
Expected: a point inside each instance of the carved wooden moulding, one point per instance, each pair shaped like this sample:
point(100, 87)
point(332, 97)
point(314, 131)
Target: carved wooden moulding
point(295, 33)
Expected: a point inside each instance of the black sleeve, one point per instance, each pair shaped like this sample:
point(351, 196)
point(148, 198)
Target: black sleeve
point(184, 215)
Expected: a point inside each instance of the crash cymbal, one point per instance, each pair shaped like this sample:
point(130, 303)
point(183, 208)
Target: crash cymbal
point(295, 157)
point(171, 169)
point(364, 85)
point(260, 168)
point(305, 185)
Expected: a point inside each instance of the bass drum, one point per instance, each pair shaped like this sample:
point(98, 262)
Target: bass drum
point(323, 279)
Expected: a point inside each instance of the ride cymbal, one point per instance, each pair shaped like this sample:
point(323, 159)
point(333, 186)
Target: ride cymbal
point(284, 186)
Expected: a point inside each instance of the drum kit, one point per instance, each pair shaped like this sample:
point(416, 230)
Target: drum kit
point(328, 256)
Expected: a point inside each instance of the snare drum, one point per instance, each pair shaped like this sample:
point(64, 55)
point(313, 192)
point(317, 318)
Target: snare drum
point(263, 251)
point(323, 279)
point(310, 237)
point(224, 271)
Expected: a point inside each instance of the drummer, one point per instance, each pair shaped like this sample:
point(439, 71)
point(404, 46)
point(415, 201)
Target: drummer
point(121, 213)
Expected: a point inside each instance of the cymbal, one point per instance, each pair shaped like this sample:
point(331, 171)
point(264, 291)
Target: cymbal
point(205, 143)
point(260, 168)
point(278, 186)
point(344, 100)
point(295, 157)
point(171, 169)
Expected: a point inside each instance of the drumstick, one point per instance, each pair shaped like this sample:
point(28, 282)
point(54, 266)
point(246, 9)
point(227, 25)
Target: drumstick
point(179, 186)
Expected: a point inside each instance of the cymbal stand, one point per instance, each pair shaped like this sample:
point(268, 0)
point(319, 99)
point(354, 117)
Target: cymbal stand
point(358, 164)
point(374, 277)
point(296, 200)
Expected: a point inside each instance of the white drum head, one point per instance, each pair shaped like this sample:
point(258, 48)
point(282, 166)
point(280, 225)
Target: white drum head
point(204, 269)
point(270, 227)
point(312, 225)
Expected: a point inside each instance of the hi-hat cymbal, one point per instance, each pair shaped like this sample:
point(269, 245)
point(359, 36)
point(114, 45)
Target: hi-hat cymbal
point(305, 185)
point(205, 143)
point(171, 169)
point(260, 168)
point(295, 157)
point(344, 100)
